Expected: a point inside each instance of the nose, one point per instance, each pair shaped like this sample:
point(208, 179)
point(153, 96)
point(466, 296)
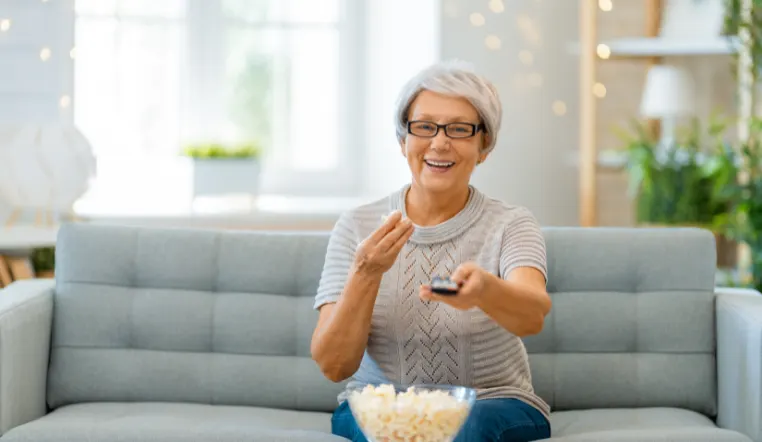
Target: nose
point(440, 141)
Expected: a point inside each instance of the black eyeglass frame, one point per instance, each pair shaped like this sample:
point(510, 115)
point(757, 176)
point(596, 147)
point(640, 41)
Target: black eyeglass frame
point(475, 129)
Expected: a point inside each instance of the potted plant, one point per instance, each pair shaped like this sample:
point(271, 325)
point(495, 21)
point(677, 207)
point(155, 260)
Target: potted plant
point(44, 262)
point(684, 184)
point(743, 19)
point(743, 222)
point(225, 168)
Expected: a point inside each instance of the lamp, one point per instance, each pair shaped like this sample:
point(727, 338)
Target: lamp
point(45, 168)
point(667, 96)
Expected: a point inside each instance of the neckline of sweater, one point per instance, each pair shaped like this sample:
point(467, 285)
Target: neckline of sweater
point(448, 229)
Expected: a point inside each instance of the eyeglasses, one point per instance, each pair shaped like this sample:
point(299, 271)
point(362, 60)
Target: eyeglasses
point(430, 129)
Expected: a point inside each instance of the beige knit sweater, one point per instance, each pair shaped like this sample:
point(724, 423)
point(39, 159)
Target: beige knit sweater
point(414, 342)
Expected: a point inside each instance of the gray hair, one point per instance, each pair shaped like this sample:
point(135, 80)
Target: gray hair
point(455, 78)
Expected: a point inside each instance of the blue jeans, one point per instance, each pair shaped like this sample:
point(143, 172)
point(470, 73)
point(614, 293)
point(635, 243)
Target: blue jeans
point(491, 420)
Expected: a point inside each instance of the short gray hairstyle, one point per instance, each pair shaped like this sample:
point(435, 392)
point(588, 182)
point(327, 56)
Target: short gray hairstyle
point(455, 78)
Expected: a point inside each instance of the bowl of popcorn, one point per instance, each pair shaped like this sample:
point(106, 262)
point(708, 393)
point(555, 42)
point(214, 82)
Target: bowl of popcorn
point(419, 413)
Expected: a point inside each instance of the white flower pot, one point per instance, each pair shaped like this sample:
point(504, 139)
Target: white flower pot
point(221, 176)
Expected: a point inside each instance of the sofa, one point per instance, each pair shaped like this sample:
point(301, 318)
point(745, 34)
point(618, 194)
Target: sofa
point(159, 334)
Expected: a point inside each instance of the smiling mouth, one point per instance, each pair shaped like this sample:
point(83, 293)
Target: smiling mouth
point(442, 165)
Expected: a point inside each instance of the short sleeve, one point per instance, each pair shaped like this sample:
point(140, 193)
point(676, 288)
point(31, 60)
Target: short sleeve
point(339, 256)
point(523, 245)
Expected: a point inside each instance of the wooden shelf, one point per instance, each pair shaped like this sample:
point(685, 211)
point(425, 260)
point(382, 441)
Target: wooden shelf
point(650, 49)
point(606, 160)
point(612, 160)
point(665, 47)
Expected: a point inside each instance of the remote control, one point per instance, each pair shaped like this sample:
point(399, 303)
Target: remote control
point(444, 286)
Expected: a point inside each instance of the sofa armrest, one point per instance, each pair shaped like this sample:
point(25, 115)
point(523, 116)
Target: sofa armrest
point(739, 361)
point(26, 312)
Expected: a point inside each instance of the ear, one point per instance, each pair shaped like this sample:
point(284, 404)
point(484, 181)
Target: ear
point(403, 148)
point(483, 156)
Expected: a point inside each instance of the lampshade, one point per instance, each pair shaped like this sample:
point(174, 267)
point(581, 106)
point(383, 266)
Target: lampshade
point(45, 167)
point(668, 92)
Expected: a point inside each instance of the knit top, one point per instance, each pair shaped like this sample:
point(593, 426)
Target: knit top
point(417, 342)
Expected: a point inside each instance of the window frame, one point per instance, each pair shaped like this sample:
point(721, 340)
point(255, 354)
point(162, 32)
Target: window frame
point(205, 28)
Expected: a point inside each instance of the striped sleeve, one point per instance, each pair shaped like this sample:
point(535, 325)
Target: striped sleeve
point(338, 260)
point(523, 245)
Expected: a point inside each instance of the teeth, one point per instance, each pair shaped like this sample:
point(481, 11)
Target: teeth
point(440, 163)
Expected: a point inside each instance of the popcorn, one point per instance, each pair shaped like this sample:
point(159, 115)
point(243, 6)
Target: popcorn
point(415, 415)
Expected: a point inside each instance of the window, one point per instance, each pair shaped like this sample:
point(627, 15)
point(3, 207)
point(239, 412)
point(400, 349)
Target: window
point(153, 75)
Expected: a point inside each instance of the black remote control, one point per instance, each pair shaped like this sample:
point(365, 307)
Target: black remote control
point(444, 286)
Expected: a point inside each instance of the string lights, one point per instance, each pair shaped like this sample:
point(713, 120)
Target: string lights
point(493, 42)
point(559, 108)
point(599, 90)
point(526, 58)
point(531, 34)
point(45, 54)
point(496, 6)
point(64, 101)
point(477, 19)
point(603, 51)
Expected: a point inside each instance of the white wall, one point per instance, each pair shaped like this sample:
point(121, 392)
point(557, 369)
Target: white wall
point(30, 89)
point(530, 165)
point(402, 39)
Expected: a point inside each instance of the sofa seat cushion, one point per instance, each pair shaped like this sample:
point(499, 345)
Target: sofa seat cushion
point(638, 425)
point(170, 422)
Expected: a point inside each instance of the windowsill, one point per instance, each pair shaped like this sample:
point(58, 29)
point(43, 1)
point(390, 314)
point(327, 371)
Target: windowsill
point(157, 191)
point(265, 212)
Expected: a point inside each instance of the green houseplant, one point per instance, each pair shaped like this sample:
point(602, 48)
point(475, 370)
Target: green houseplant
point(744, 222)
point(44, 261)
point(685, 184)
point(735, 22)
point(220, 168)
point(682, 184)
point(743, 20)
point(223, 151)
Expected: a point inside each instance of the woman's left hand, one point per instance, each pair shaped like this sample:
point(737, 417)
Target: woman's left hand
point(473, 281)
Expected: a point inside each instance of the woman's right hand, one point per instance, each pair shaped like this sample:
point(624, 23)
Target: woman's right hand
point(376, 254)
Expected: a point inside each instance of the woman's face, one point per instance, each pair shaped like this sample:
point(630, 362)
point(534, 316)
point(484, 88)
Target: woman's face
point(442, 164)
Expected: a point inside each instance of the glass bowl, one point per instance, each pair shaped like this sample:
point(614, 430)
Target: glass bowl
point(415, 413)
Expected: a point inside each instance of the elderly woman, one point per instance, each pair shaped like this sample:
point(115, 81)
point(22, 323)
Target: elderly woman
point(379, 320)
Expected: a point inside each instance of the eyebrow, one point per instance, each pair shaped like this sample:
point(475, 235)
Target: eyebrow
point(458, 119)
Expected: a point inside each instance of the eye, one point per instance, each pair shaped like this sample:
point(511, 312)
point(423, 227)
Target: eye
point(460, 129)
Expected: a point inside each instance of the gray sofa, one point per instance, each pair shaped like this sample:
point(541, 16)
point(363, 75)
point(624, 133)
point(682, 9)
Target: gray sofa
point(197, 335)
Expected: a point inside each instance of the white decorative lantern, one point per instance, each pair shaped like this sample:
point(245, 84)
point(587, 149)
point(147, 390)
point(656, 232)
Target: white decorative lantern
point(44, 167)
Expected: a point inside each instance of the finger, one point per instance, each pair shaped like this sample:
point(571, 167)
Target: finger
point(388, 225)
point(399, 232)
point(461, 274)
point(425, 293)
point(403, 239)
point(466, 288)
point(434, 297)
